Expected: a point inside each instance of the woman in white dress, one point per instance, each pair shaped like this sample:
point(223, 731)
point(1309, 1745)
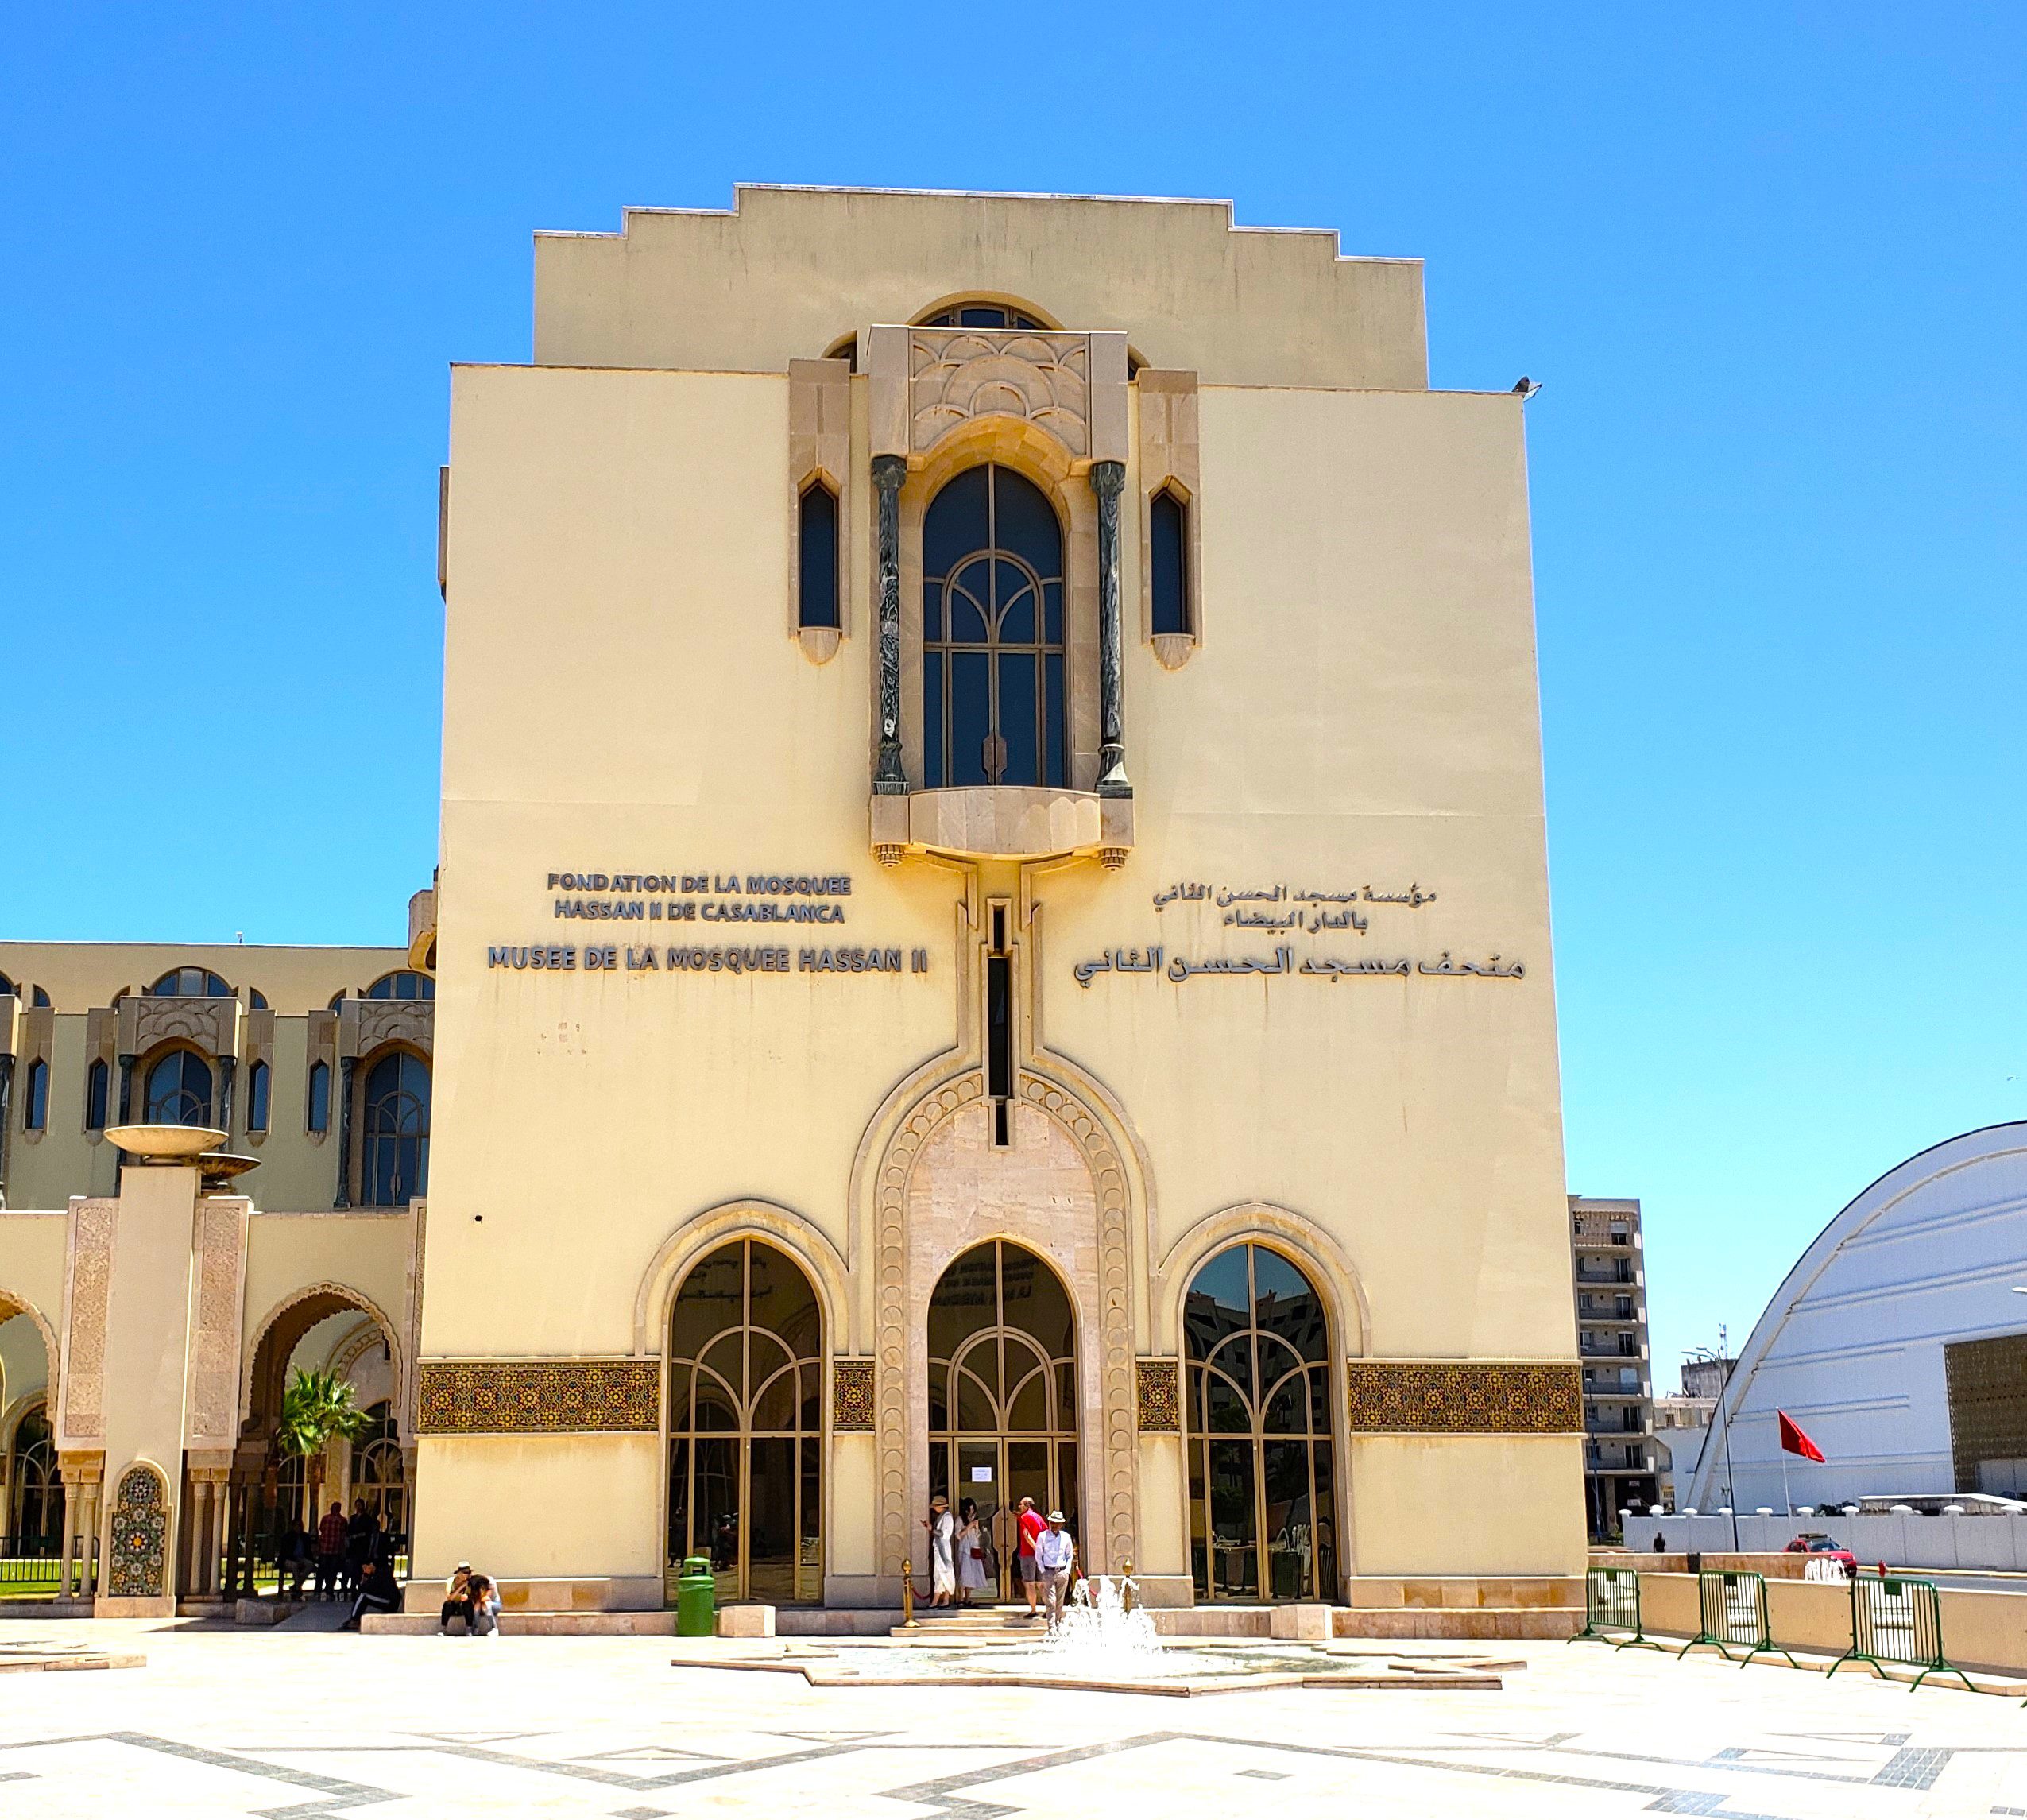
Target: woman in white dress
point(942, 1566)
point(971, 1552)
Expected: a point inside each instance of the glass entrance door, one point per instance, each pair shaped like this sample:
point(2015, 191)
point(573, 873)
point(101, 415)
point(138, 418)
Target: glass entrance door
point(1003, 1395)
point(746, 1427)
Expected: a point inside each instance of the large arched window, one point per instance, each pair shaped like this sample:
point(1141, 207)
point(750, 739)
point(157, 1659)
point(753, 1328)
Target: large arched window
point(179, 1090)
point(745, 1465)
point(189, 982)
point(394, 1156)
point(1262, 1493)
point(1003, 1390)
point(377, 1479)
point(978, 316)
point(993, 634)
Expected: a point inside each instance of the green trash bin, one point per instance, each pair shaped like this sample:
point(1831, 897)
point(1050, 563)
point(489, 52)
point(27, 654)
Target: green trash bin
point(696, 1599)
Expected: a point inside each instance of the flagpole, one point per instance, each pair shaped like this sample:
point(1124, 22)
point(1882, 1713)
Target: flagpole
point(1787, 1496)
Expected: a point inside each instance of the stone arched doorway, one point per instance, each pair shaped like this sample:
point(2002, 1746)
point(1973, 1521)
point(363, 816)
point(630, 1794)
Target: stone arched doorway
point(327, 1327)
point(1056, 1188)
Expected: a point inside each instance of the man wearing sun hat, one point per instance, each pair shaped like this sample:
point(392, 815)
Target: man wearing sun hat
point(1054, 1555)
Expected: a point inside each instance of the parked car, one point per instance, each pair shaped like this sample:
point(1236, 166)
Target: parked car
point(1814, 1542)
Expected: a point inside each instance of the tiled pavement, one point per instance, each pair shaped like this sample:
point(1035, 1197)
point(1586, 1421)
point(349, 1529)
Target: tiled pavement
point(232, 1723)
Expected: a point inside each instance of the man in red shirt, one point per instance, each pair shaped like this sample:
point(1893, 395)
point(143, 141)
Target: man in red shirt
point(331, 1535)
point(1031, 1526)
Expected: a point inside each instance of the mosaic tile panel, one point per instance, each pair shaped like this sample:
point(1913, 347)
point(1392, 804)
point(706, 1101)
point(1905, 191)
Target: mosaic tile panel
point(140, 1534)
point(851, 1397)
point(547, 1396)
point(1158, 1383)
point(1460, 1397)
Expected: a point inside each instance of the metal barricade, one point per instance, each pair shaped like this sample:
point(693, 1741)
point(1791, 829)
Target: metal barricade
point(1731, 1610)
point(1894, 1619)
point(1611, 1605)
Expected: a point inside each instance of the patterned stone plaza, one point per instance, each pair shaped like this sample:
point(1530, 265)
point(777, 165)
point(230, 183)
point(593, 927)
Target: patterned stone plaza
point(221, 1722)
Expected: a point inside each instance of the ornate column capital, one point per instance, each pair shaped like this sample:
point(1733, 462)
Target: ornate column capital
point(1108, 482)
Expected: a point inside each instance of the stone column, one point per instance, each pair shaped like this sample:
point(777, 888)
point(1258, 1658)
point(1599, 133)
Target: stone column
point(225, 1097)
point(1107, 481)
point(73, 1512)
point(88, 1543)
point(200, 1523)
point(343, 1198)
point(888, 472)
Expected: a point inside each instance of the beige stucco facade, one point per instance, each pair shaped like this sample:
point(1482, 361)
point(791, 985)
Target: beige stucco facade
point(1240, 937)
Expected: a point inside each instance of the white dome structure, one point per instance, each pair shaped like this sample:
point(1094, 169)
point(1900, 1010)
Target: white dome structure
point(1896, 1344)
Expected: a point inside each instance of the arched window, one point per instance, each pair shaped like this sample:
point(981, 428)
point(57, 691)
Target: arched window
point(257, 1097)
point(1168, 567)
point(402, 983)
point(746, 1468)
point(993, 634)
point(98, 1084)
point(35, 1513)
point(1262, 1496)
point(256, 999)
point(978, 316)
point(394, 1164)
point(377, 1479)
point(189, 982)
point(179, 1089)
point(316, 1105)
point(35, 1098)
point(8, 989)
point(816, 533)
point(37, 997)
point(1003, 1390)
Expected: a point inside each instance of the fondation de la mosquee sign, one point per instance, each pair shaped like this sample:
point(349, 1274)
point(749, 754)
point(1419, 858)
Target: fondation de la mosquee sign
point(1097, 1047)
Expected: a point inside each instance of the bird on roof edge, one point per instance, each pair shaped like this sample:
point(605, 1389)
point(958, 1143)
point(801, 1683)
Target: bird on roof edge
point(1527, 388)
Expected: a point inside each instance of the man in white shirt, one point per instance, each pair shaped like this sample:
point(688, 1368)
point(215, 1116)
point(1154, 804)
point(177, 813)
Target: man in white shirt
point(1054, 1553)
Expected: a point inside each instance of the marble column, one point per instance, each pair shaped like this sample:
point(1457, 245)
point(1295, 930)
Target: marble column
point(73, 1512)
point(888, 472)
point(343, 1198)
point(1107, 481)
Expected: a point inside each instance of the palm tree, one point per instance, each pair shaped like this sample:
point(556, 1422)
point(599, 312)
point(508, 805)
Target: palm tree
point(317, 1406)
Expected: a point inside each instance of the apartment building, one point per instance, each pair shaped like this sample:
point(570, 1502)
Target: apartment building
point(1607, 1265)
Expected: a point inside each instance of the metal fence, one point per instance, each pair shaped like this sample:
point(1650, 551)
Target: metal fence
point(1732, 1613)
point(1894, 1619)
point(30, 1567)
point(1611, 1609)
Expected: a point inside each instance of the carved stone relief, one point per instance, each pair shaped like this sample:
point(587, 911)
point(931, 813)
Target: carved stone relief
point(214, 1389)
point(212, 1024)
point(382, 1020)
point(957, 375)
point(88, 1276)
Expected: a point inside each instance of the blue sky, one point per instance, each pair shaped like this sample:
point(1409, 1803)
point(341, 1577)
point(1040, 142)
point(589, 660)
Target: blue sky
point(1767, 261)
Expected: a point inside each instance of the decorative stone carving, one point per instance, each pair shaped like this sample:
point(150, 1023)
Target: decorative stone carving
point(383, 1020)
point(140, 1535)
point(88, 1283)
point(1464, 1396)
point(213, 1399)
point(1170, 458)
point(851, 1396)
point(893, 1313)
point(545, 1396)
point(1041, 376)
point(1115, 1308)
point(1160, 1394)
point(211, 1024)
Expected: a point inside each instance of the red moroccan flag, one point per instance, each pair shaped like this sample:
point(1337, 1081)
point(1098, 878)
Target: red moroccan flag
point(1794, 1441)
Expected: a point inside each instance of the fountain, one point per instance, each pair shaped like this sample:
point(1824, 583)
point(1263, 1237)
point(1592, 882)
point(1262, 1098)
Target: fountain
point(1103, 1627)
point(1105, 1642)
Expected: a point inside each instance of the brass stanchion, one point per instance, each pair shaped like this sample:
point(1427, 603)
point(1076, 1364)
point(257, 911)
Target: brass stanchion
point(1126, 1586)
point(907, 1596)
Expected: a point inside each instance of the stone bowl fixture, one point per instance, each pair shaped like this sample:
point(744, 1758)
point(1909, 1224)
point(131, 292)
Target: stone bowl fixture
point(183, 1143)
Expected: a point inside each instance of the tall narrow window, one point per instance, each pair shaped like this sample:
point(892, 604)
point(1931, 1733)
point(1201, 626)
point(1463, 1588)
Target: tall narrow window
point(257, 1097)
point(993, 634)
point(97, 1085)
point(1168, 546)
point(35, 1101)
point(998, 1026)
point(394, 1168)
point(179, 1089)
point(316, 1113)
point(817, 535)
